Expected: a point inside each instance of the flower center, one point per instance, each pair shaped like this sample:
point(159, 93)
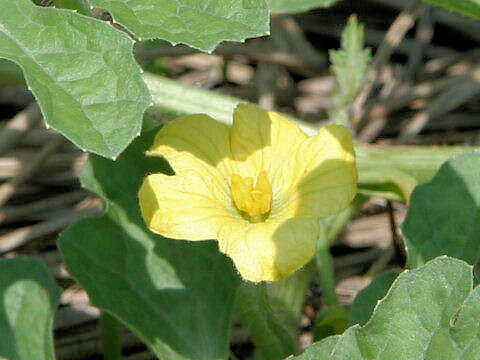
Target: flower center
point(253, 200)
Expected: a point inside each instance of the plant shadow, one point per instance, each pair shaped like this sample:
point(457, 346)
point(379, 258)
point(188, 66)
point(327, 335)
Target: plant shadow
point(177, 296)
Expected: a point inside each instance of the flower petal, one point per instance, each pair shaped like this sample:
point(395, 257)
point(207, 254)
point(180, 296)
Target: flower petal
point(328, 181)
point(185, 206)
point(269, 250)
point(264, 141)
point(194, 140)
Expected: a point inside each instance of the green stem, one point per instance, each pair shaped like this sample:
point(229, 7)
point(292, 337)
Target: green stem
point(325, 270)
point(331, 228)
point(270, 321)
point(111, 336)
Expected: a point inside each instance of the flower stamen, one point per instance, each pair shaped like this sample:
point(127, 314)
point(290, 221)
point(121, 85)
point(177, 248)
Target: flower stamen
point(252, 200)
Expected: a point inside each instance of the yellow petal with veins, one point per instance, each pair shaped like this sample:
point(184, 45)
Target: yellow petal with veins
point(184, 206)
point(260, 187)
point(328, 180)
point(264, 141)
point(195, 141)
point(269, 250)
point(193, 203)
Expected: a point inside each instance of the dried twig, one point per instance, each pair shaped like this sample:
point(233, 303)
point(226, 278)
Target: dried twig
point(394, 35)
point(14, 131)
point(375, 38)
point(448, 100)
point(437, 66)
point(378, 111)
point(387, 254)
point(20, 237)
point(7, 189)
point(288, 36)
point(258, 53)
point(423, 35)
point(14, 162)
point(15, 213)
point(266, 78)
point(467, 26)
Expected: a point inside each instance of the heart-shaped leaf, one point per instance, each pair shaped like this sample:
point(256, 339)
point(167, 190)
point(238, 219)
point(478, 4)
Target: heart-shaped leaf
point(177, 296)
point(430, 313)
point(82, 72)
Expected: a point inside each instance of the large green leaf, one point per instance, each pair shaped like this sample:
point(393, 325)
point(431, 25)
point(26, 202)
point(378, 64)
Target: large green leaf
point(367, 298)
point(465, 7)
point(296, 6)
point(430, 313)
point(82, 72)
point(444, 215)
point(202, 24)
point(177, 296)
point(29, 298)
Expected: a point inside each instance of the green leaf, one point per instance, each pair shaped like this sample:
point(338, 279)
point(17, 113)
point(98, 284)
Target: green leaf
point(349, 65)
point(82, 72)
point(176, 295)
point(465, 7)
point(444, 215)
point(202, 24)
point(29, 297)
point(367, 298)
point(296, 6)
point(430, 313)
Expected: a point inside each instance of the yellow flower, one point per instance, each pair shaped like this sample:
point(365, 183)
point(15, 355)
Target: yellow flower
point(259, 187)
